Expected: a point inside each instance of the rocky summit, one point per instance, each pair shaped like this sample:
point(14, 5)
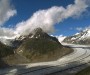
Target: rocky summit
point(39, 46)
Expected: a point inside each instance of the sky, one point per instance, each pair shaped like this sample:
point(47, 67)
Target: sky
point(56, 17)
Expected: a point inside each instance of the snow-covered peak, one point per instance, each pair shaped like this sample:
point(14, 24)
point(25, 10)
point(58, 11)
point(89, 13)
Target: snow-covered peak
point(76, 33)
point(81, 38)
point(84, 33)
point(61, 38)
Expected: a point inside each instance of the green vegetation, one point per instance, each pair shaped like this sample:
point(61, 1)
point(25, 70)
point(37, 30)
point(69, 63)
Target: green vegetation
point(85, 71)
point(40, 49)
point(41, 45)
point(5, 50)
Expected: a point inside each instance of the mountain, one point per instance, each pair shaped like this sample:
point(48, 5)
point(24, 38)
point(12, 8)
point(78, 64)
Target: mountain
point(5, 50)
point(39, 46)
point(37, 33)
point(80, 38)
point(60, 38)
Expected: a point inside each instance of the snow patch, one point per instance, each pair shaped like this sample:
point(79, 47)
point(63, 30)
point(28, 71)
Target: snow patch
point(60, 38)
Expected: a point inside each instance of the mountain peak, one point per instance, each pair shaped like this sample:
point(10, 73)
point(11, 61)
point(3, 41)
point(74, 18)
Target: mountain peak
point(38, 30)
point(80, 38)
point(38, 33)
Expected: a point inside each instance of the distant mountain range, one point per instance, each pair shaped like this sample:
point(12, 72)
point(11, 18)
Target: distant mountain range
point(80, 38)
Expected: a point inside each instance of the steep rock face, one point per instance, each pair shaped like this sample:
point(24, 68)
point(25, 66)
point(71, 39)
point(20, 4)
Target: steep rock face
point(80, 38)
point(39, 46)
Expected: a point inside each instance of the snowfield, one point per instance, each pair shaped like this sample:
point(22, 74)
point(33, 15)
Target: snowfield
point(80, 56)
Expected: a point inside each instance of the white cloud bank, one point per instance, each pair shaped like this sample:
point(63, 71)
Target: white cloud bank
point(46, 19)
point(79, 28)
point(6, 11)
point(6, 32)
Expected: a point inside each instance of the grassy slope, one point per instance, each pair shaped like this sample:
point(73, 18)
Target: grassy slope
point(38, 50)
point(4, 52)
point(42, 50)
point(85, 71)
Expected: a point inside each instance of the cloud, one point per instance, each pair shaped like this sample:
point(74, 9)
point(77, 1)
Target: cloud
point(6, 32)
point(46, 19)
point(6, 11)
point(87, 27)
point(79, 28)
